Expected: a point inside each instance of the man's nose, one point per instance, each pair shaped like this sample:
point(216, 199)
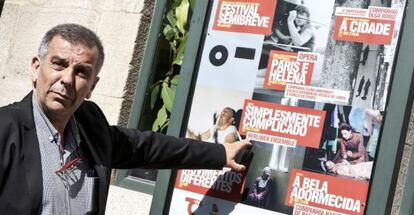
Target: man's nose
point(67, 77)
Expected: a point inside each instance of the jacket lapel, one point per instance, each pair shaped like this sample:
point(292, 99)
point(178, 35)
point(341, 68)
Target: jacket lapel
point(31, 153)
point(100, 170)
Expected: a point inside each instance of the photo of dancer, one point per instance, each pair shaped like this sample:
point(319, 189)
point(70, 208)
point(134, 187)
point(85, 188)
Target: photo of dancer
point(298, 25)
point(352, 147)
point(360, 171)
point(215, 116)
point(223, 131)
point(295, 33)
point(260, 190)
point(349, 141)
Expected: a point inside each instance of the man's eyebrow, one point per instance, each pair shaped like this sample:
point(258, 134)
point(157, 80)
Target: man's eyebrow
point(59, 58)
point(86, 65)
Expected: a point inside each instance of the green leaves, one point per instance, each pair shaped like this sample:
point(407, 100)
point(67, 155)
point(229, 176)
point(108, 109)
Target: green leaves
point(167, 95)
point(169, 32)
point(181, 12)
point(175, 30)
point(154, 91)
point(178, 60)
point(161, 121)
point(165, 91)
point(175, 33)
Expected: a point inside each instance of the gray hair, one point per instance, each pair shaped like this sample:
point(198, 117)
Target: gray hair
point(75, 34)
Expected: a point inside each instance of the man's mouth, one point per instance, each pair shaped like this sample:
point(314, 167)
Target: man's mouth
point(63, 96)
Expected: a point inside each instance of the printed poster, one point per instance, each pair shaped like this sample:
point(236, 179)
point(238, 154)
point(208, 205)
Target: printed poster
point(253, 16)
point(307, 84)
point(289, 68)
point(280, 124)
point(373, 25)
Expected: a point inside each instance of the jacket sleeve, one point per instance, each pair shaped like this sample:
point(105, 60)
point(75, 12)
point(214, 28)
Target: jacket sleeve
point(6, 155)
point(133, 148)
point(125, 148)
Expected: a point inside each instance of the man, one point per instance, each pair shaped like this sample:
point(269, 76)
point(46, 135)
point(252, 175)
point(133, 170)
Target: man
point(57, 150)
point(222, 132)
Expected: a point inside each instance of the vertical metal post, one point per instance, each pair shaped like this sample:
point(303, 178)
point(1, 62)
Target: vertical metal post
point(395, 123)
point(165, 180)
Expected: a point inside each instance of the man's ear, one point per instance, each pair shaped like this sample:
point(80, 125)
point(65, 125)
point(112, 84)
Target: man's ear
point(231, 120)
point(35, 70)
point(88, 96)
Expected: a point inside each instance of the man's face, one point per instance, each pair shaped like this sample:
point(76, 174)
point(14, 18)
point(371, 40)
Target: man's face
point(226, 117)
point(65, 77)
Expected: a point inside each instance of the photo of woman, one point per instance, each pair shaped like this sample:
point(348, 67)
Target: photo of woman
point(352, 147)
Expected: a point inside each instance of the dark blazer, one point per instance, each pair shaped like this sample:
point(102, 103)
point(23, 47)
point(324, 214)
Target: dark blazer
point(105, 147)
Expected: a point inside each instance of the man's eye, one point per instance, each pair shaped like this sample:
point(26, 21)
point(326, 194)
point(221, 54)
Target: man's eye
point(82, 72)
point(58, 65)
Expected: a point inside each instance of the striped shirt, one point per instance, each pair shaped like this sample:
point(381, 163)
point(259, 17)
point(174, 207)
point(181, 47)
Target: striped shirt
point(68, 191)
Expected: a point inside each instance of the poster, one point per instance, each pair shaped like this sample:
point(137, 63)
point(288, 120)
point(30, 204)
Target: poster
point(307, 83)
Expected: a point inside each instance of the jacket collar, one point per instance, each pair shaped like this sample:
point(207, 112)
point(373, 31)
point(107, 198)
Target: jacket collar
point(32, 161)
point(30, 152)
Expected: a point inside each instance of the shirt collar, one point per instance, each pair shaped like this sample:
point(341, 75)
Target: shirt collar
point(72, 121)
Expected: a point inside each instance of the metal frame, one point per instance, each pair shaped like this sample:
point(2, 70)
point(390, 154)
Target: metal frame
point(166, 178)
point(122, 178)
point(406, 50)
point(1, 6)
point(394, 131)
point(393, 134)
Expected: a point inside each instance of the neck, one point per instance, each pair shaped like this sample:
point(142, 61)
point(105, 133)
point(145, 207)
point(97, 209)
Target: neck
point(59, 123)
point(222, 126)
point(59, 120)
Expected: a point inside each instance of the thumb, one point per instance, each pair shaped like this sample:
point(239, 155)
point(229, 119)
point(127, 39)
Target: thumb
point(232, 149)
point(236, 167)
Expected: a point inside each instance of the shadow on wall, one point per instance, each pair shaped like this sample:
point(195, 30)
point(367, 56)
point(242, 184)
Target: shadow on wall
point(1, 6)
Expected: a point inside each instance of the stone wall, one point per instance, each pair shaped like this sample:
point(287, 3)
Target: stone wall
point(122, 26)
point(405, 161)
point(23, 23)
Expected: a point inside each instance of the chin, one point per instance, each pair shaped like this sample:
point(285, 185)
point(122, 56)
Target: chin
point(58, 108)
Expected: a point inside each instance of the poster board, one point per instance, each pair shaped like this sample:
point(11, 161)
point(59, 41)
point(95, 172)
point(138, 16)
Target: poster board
point(243, 90)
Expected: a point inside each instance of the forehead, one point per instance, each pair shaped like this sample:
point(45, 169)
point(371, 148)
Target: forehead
point(345, 131)
point(74, 51)
point(227, 110)
point(302, 14)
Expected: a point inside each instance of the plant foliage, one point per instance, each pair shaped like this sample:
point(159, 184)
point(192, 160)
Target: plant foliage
point(175, 32)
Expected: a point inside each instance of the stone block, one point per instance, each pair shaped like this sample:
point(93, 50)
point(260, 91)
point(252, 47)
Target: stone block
point(129, 6)
point(118, 32)
point(124, 201)
point(410, 131)
point(8, 22)
point(14, 88)
point(96, 5)
point(33, 24)
point(110, 106)
point(19, 2)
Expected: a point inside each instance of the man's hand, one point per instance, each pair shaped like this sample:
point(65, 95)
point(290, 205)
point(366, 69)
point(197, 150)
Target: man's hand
point(231, 151)
point(192, 135)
